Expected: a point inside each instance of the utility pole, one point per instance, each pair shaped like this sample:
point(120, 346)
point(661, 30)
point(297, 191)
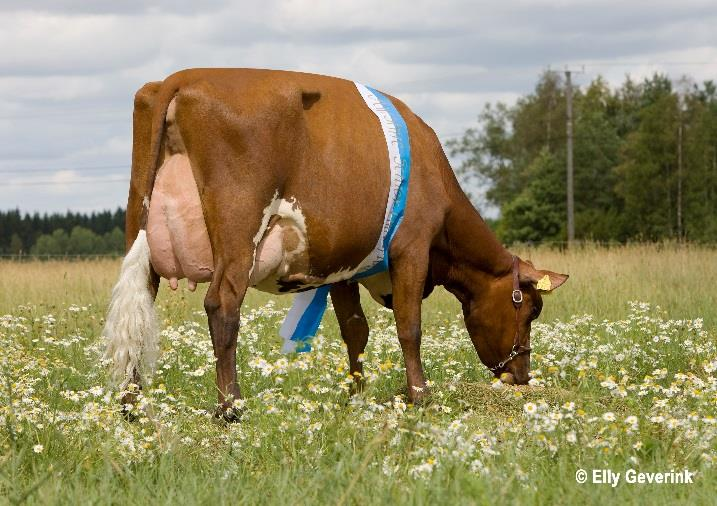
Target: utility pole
point(569, 128)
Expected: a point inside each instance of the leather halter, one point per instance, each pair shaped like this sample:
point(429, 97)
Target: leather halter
point(517, 298)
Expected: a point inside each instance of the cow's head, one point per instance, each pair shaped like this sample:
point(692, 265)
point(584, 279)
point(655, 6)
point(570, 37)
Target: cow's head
point(498, 319)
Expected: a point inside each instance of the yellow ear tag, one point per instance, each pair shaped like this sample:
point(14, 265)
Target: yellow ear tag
point(544, 284)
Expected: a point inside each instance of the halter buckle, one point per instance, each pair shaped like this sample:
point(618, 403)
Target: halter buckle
point(517, 296)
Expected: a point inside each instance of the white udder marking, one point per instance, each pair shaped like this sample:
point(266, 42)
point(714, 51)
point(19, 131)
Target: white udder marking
point(266, 216)
point(283, 249)
point(276, 250)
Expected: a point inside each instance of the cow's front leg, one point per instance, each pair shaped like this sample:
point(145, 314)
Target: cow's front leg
point(354, 328)
point(408, 276)
point(222, 305)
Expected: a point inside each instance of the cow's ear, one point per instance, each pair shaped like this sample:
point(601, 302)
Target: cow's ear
point(542, 280)
point(309, 98)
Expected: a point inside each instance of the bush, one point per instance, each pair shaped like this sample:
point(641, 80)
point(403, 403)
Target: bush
point(81, 241)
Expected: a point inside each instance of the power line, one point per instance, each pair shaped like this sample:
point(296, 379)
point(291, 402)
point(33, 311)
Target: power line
point(68, 110)
point(62, 183)
point(90, 168)
point(618, 63)
point(452, 135)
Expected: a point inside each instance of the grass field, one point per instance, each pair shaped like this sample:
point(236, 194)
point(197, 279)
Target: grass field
point(625, 377)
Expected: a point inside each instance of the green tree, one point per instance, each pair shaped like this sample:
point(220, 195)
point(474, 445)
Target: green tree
point(537, 213)
point(519, 153)
point(114, 241)
point(646, 175)
point(56, 243)
point(84, 241)
point(645, 159)
point(699, 120)
point(596, 153)
point(501, 150)
point(15, 244)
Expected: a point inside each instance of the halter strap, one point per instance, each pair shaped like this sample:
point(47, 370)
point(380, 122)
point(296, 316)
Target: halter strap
point(517, 298)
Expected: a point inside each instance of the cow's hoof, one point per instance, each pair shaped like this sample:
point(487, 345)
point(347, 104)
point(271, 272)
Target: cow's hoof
point(128, 412)
point(229, 414)
point(357, 386)
point(129, 405)
point(418, 396)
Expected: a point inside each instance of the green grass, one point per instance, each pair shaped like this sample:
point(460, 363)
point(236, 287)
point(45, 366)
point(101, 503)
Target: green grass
point(304, 440)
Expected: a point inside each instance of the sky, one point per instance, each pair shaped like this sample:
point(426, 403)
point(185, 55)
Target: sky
point(69, 68)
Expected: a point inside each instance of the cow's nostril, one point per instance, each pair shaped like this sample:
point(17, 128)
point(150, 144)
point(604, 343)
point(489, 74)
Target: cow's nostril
point(522, 379)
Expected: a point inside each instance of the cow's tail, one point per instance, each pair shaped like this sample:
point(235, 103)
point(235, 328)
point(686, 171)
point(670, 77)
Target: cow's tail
point(131, 329)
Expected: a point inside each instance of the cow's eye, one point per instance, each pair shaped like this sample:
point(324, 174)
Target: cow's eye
point(535, 312)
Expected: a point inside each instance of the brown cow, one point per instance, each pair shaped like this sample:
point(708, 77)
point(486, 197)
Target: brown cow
point(279, 180)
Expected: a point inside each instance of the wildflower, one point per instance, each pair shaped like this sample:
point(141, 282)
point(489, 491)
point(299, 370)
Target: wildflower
point(496, 384)
point(424, 469)
point(530, 408)
point(609, 416)
point(38, 448)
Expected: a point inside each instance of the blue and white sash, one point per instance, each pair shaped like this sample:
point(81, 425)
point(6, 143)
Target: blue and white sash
point(305, 315)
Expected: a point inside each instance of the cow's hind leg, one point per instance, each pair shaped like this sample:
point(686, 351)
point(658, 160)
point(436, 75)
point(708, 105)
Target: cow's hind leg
point(222, 304)
point(354, 328)
point(234, 224)
point(238, 182)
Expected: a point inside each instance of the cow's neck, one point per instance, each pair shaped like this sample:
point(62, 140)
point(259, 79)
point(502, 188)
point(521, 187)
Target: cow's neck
point(469, 254)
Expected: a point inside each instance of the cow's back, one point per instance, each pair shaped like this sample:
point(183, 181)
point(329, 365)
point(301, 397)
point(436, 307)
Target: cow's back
point(300, 152)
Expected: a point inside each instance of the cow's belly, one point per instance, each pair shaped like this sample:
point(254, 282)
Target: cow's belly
point(180, 247)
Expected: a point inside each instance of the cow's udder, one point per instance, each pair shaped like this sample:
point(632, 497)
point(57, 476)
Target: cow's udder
point(178, 239)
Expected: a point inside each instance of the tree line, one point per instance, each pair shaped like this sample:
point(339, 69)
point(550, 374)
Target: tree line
point(59, 234)
point(645, 161)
